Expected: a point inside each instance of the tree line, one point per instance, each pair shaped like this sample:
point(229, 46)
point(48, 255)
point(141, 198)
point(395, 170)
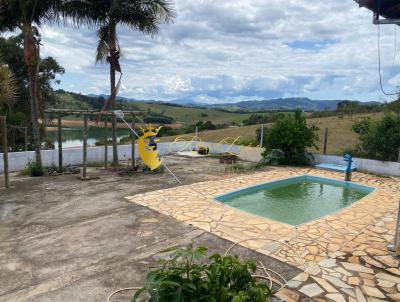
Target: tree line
point(29, 76)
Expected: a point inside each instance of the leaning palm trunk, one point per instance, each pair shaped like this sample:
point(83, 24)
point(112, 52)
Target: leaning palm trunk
point(112, 48)
point(31, 55)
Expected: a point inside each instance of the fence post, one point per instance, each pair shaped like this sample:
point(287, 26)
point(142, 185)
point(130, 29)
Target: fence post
point(85, 129)
point(5, 150)
point(60, 152)
point(106, 142)
point(133, 143)
point(325, 141)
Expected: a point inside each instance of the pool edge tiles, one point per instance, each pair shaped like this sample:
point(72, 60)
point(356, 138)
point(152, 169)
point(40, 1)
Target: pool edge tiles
point(228, 197)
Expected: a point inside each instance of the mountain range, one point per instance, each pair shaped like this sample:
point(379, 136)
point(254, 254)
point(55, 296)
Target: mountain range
point(301, 103)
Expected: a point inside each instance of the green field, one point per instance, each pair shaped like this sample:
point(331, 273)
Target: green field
point(340, 134)
point(191, 115)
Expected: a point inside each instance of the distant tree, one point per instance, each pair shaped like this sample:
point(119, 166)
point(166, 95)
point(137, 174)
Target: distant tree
point(291, 135)
point(395, 106)
point(26, 16)
point(379, 139)
point(8, 89)
point(348, 107)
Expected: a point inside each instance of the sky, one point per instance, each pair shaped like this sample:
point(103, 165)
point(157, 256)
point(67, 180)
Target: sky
point(235, 50)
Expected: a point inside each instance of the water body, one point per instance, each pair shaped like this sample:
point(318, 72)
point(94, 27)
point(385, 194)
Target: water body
point(296, 202)
point(73, 137)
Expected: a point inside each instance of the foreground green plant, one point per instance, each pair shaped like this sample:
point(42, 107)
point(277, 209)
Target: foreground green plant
point(186, 276)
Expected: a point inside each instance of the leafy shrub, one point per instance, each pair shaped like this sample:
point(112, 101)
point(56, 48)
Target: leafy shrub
point(379, 139)
point(291, 135)
point(186, 277)
point(33, 169)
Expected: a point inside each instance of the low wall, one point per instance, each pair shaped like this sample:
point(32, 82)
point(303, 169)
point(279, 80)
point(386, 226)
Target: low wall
point(17, 161)
point(362, 164)
point(74, 156)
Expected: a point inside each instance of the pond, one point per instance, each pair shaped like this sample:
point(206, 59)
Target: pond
point(72, 137)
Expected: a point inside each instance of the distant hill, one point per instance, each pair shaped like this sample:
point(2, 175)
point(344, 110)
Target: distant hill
point(305, 104)
point(283, 104)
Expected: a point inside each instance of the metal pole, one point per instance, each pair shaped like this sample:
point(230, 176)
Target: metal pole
point(262, 135)
point(106, 142)
point(133, 143)
point(396, 246)
point(85, 129)
point(325, 141)
point(5, 150)
point(60, 153)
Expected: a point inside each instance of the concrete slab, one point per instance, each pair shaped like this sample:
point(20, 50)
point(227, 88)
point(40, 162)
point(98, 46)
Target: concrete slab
point(62, 239)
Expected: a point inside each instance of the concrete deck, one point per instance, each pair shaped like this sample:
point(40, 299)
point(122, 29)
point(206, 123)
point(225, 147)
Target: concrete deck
point(62, 239)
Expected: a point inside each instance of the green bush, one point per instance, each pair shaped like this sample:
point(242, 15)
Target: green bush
point(187, 276)
point(379, 139)
point(291, 135)
point(33, 169)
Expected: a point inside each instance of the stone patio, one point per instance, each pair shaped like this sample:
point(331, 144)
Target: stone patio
point(343, 255)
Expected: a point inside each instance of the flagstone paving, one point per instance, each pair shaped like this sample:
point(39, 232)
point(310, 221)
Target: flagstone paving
point(344, 255)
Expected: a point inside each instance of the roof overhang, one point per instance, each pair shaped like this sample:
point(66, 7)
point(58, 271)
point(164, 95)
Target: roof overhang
point(388, 9)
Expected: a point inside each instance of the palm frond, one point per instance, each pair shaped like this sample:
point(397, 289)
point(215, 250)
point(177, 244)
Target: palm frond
point(103, 39)
point(8, 91)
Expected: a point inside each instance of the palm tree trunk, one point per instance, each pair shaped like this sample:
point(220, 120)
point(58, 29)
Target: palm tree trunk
point(31, 57)
point(112, 48)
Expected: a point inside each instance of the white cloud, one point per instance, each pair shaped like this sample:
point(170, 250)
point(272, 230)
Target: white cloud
point(231, 50)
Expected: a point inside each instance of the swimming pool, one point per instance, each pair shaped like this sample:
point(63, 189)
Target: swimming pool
point(296, 200)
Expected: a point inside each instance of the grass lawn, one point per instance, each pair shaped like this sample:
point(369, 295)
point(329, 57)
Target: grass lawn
point(340, 137)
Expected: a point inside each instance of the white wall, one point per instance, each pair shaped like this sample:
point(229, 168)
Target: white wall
point(363, 165)
point(73, 156)
point(17, 161)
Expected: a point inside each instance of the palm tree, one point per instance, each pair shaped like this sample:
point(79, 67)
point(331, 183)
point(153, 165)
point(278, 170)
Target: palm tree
point(26, 16)
point(7, 85)
point(142, 15)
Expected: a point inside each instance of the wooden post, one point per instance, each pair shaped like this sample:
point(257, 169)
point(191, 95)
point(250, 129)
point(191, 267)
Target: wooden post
point(5, 150)
point(133, 143)
point(106, 142)
point(325, 141)
point(26, 138)
point(85, 130)
point(60, 153)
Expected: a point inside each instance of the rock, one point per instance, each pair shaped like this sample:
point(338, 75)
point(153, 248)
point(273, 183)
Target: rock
point(357, 268)
point(371, 261)
point(394, 271)
point(353, 280)
point(287, 295)
point(328, 263)
point(301, 277)
point(335, 297)
point(388, 260)
point(329, 288)
point(311, 290)
point(313, 270)
point(385, 283)
point(343, 271)
point(348, 292)
point(395, 297)
point(388, 277)
point(373, 292)
point(359, 295)
point(293, 284)
point(336, 281)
